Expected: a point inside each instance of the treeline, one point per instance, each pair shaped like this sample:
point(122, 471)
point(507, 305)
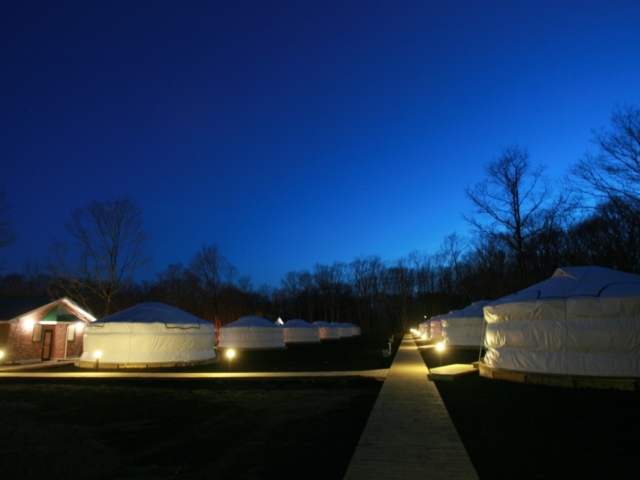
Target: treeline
point(524, 227)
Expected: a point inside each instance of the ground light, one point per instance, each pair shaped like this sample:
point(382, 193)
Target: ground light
point(230, 354)
point(97, 354)
point(440, 349)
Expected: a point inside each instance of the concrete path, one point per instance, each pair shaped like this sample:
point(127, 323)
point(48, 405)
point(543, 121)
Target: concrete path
point(377, 374)
point(409, 434)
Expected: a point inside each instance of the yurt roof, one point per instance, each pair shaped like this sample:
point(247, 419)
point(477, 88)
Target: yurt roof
point(473, 310)
point(154, 312)
point(251, 321)
point(570, 282)
point(298, 323)
point(322, 323)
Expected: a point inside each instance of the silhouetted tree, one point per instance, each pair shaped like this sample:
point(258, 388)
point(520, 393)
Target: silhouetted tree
point(180, 287)
point(612, 174)
point(513, 196)
point(607, 238)
point(213, 270)
point(107, 248)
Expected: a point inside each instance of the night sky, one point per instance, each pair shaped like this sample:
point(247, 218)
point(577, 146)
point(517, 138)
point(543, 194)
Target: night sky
point(291, 133)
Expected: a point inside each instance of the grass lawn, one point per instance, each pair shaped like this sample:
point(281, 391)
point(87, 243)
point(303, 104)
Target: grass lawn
point(203, 428)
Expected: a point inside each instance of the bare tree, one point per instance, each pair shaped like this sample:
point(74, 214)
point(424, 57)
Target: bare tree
point(513, 196)
point(612, 174)
point(211, 266)
point(107, 249)
point(180, 287)
point(330, 282)
point(366, 280)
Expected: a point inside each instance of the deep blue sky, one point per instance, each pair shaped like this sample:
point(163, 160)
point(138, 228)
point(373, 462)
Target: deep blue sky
point(292, 133)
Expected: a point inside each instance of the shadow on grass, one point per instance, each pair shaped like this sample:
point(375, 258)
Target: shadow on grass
point(514, 430)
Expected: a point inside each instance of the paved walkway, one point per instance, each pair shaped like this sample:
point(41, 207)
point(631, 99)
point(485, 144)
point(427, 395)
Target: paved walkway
point(378, 374)
point(409, 434)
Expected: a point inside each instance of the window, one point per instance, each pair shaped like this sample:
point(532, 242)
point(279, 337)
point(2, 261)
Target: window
point(71, 333)
point(37, 333)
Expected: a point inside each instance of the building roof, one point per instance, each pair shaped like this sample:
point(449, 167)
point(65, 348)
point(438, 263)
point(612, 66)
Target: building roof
point(12, 308)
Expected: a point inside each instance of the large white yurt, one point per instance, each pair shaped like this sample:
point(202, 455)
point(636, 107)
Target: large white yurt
point(328, 331)
point(464, 328)
point(251, 332)
point(300, 331)
point(581, 321)
point(148, 335)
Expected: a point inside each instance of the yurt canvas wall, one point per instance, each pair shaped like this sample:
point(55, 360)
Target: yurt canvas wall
point(300, 331)
point(146, 335)
point(327, 330)
point(355, 329)
point(344, 330)
point(251, 332)
point(464, 327)
point(425, 329)
point(581, 321)
point(435, 328)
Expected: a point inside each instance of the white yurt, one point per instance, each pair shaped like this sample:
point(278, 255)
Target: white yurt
point(148, 335)
point(300, 331)
point(355, 329)
point(344, 330)
point(435, 328)
point(581, 321)
point(464, 328)
point(251, 332)
point(425, 329)
point(328, 331)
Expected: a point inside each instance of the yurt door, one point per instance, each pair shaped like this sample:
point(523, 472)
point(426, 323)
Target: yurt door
point(47, 344)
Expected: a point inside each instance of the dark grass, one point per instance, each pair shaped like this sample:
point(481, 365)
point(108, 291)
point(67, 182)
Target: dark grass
point(194, 428)
point(135, 429)
point(514, 430)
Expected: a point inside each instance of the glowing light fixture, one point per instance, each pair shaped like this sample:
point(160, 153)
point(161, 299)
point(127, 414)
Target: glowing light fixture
point(424, 336)
point(28, 323)
point(440, 349)
point(230, 354)
point(1, 354)
point(97, 354)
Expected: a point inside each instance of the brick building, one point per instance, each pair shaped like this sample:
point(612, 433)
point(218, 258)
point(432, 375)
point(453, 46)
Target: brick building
point(40, 329)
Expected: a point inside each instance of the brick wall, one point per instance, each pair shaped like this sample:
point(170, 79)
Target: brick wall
point(19, 345)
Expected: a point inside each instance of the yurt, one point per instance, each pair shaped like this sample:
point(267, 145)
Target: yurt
point(251, 332)
point(300, 331)
point(344, 330)
point(464, 328)
point(328, 331)
point(435, 328)
point(581, 321)
point(425, 329)
point(355, 329)
point(148, 335)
